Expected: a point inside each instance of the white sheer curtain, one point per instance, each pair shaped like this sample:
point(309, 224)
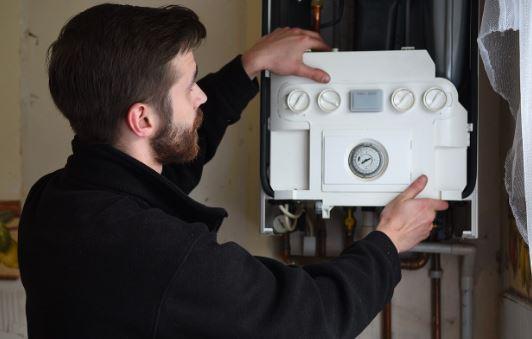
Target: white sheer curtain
point(505, 43)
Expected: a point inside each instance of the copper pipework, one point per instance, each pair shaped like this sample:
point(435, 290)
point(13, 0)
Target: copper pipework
point(316, 7)
point(387, 321)
point(435, 275)
point(416, 262)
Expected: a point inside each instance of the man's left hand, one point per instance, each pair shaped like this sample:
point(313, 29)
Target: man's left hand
point(281, 52)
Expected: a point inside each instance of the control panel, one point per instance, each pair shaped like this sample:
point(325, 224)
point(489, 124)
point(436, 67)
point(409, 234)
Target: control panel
point(382, 120)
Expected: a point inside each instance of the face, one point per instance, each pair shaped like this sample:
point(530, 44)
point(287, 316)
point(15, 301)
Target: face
point(177, 138)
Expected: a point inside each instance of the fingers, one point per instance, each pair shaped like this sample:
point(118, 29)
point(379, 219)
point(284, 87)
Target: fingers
point(414, 189)
point(311, 40)
point(312, 34)
point(281, 52)
point(313, 73)
point(438, 205)
point(428, 209)
point(316, 44)
point(300, 31)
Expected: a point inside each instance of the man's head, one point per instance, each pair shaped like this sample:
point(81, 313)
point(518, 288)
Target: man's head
point(118, 69)
point(176, 140)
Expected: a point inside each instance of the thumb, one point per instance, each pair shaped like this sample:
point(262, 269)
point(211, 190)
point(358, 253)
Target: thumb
point(313, 73)
point(414, 189)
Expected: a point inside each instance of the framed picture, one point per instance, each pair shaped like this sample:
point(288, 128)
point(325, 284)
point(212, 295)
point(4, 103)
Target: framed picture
point(9, 220)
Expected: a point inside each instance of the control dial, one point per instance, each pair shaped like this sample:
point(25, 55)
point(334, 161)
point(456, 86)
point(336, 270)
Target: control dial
point(403, 99)
point(329, 100)
point(368, 160)
point(298, 101)
point(434, 99)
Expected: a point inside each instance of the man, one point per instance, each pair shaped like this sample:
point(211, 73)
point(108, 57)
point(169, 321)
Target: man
point(111, 246)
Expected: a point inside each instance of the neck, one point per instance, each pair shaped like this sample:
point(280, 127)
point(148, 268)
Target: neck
point(141, 150)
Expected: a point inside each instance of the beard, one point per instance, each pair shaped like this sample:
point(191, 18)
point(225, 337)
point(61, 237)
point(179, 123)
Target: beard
point(176, 143)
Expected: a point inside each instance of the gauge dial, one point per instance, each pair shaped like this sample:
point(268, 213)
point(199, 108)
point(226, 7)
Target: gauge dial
point(368, 160)
point(329, 100)
point(403, 99)
point(298, 101)
point(434, 99)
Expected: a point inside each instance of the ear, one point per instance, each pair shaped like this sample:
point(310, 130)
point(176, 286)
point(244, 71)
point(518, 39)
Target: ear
point(141, 120)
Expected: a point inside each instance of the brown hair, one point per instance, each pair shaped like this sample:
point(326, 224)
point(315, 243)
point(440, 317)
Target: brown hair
point(111, 56)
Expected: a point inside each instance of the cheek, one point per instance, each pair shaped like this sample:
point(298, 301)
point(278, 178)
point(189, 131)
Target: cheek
point(184, 112)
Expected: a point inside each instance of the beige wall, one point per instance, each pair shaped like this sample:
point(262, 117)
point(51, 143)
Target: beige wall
point(10, 158)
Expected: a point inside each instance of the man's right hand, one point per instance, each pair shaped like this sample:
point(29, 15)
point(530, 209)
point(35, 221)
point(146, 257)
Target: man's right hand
point(408, 221)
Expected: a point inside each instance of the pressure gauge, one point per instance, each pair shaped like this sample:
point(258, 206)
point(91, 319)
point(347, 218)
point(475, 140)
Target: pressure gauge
point(403, 99)
point(368, 160)
point(434, 99)
point(298, 101)
point(329, 100)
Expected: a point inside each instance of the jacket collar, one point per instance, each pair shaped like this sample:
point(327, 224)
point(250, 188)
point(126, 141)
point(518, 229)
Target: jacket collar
point(104, 166)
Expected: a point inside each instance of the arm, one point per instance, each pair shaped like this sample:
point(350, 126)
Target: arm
point(222, 291)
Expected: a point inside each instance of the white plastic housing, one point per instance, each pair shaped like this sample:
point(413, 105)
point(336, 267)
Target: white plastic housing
point(309, 150)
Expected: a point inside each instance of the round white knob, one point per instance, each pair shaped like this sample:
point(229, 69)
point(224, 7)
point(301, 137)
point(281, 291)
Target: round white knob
point(403, 99)
point(298, 100)
point(434, 99)
point(329, 100)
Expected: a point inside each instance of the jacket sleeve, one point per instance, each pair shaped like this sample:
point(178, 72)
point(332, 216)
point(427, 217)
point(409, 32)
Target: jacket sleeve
point(221, 291)
point(228, 92)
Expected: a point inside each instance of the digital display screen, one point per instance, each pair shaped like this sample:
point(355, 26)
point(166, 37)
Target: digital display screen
point(366, 100)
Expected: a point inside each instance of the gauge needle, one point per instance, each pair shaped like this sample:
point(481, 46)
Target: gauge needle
point(364, 161)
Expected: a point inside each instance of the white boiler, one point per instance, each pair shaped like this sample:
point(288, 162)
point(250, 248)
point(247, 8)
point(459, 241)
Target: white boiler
point(382, 120)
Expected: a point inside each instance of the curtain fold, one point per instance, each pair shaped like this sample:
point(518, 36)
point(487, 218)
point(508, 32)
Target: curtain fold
point(505, 45)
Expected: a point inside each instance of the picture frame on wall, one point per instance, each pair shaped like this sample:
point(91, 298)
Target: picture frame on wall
point(9, 222)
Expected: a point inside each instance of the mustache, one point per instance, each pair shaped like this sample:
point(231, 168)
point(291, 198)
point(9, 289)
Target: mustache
point(199, 119)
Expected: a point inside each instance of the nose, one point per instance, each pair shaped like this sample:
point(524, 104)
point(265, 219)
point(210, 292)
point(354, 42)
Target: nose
point(202, 97)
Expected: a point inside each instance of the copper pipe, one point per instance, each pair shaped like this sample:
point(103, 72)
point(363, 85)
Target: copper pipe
point(435, 275)
point(387, 321)
point(418, 261)
point(414, 263)
point(316, 7)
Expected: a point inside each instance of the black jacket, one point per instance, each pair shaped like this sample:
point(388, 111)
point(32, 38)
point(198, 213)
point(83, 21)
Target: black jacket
point(109, 248)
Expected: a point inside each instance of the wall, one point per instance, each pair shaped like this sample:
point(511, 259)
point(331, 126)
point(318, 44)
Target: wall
point(516, 315)
point(10, 158)
point(12, 318)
